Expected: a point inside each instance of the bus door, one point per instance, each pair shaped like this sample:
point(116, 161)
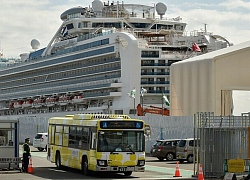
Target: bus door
point(51, 142)
point(92, 143)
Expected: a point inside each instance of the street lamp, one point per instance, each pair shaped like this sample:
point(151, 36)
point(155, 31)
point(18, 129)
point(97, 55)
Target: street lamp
point(142, 92)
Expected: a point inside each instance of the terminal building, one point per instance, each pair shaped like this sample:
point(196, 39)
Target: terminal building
point(205, 83)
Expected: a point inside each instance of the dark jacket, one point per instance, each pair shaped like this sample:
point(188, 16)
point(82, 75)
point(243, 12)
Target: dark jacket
point(26, 149)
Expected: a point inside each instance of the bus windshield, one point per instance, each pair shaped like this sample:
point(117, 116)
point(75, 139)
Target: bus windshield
point(120, 141)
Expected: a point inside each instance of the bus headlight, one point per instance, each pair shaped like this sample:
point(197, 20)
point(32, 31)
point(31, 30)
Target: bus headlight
point(141, 163)
point(101, 162)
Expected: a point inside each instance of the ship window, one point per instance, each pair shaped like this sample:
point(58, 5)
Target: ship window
point(70, 26)
point(85, 24)
point(118, 111)
point(132, 111)
point(79, 25)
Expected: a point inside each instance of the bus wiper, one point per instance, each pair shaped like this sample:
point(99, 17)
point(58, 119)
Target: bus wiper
point(129, 146)
point(115, 148)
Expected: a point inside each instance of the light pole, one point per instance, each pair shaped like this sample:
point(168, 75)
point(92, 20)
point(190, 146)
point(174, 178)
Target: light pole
point(143, 91)
point(162, 100)
point(134, 106)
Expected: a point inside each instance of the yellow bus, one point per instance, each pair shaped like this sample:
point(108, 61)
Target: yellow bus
point(97, 142)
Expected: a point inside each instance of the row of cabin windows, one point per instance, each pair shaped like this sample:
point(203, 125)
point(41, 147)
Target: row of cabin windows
point(79, 64)
point(60, 60)
point(89, 82)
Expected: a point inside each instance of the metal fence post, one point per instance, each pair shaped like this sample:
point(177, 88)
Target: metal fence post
point(225, 167)
point(248, 167)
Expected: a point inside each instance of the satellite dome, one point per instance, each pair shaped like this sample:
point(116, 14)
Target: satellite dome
point(97, 5)
point(24, 56)
point(35, 44)
point(161, 8)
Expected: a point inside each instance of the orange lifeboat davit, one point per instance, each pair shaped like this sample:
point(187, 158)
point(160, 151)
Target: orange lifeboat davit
point(51, 101)
point(18, 104)
point(77, 99)
point(38, 102)
point(11, 105)
point(27, 103)
point(64, 100)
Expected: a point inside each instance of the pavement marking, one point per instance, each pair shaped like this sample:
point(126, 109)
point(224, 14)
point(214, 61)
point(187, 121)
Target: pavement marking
point(57, 170)
point(169, 171)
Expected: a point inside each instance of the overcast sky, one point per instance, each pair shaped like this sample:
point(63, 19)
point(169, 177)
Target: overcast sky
point(24, 20)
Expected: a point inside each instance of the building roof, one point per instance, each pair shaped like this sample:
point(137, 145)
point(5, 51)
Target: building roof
point(217, 53)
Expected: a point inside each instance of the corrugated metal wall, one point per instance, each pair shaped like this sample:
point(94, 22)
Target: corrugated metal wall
point(220, 137)
point(162, 126)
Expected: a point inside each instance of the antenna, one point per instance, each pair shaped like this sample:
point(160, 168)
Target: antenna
point(1, 51)
point(205, 28)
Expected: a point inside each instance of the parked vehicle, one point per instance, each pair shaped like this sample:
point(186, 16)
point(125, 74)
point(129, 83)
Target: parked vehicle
point(164, 149)
point(40, 141)
point(186, 149)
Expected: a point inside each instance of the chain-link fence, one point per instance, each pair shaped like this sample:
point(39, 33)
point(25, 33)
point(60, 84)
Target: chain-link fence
point(221, 138)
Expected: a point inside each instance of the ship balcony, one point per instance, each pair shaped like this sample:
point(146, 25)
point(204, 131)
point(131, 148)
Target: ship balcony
point(174, 56)
point(154, 64)
point(154, 82)
point(150, 92)
point(155, 73)
point(100, 95)
point(116, 85)
point(115, 94)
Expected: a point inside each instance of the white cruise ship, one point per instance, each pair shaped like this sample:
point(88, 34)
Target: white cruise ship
point(98, 56)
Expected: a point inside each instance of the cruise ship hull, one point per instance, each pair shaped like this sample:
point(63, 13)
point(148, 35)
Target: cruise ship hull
point(97, 58)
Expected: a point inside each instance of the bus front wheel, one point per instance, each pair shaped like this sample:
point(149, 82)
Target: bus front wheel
point(85, 166)
point(128, 173)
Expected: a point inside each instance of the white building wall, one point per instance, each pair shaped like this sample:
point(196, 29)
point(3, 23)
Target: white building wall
point(191, 86)
point(205, 83)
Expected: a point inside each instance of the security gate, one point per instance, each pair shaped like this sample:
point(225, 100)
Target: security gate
point(221, 138)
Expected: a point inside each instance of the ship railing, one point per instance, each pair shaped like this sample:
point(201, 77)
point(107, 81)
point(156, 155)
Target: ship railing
point(91, 35)
point(68, 68)
point(80, 38)
point(59, 89)
point(62, 81)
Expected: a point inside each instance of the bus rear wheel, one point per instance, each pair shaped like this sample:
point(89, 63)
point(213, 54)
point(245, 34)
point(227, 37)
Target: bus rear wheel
point(85, 167)
point(128, 173)
point(58, 161)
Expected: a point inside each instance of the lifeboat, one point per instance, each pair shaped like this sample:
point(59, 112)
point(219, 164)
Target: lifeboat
point(77, 99)
point(27, 103)
point(64, 100)
point(18, 104)
point(11, 105)
point(38, 102)
point(51, 101)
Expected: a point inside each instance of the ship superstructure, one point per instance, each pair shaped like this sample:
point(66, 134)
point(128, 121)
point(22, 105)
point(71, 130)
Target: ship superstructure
point(97, 56)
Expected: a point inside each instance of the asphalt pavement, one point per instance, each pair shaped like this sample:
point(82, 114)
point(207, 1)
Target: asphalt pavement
point(43, 169)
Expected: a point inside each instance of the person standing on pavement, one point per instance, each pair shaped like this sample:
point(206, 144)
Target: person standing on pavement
point(26, 155)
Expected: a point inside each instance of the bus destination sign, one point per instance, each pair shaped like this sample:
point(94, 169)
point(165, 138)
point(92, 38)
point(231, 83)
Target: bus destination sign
point(121, 125)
